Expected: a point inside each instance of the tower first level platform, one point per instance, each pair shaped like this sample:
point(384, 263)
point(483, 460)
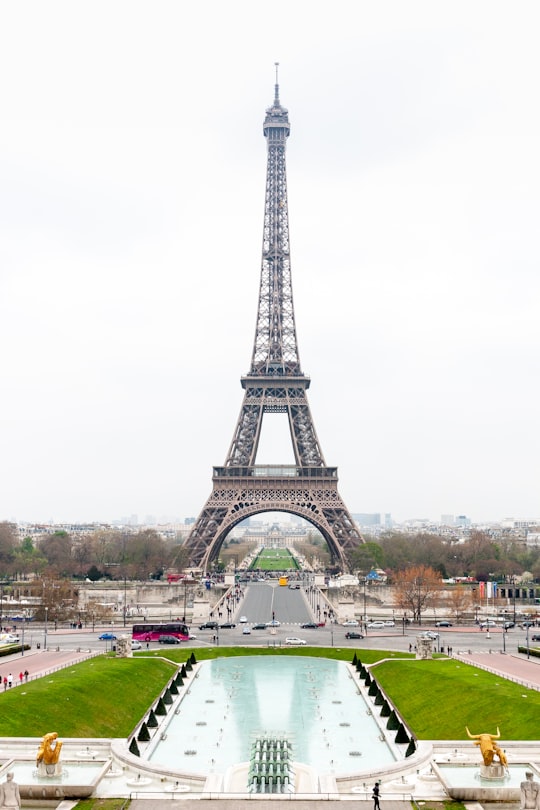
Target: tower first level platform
point(240, 492)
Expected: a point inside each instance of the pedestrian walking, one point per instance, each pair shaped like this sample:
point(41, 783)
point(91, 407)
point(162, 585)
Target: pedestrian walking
point(21, 676)
point(26, 673)
point(376, 793)
point(5, 683)
point(10, 680)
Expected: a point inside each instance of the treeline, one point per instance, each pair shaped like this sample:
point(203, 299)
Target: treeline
point(480, 556)
point(103, 554)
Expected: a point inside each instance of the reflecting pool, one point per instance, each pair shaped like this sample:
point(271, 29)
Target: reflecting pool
point(313, 703)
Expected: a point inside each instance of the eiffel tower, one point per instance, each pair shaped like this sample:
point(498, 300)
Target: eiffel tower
point(274, 384)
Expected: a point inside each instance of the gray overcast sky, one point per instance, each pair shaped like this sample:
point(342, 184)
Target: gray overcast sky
point(132, 171)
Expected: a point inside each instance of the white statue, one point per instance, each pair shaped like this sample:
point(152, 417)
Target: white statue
point(530, 793)
point(10, 798)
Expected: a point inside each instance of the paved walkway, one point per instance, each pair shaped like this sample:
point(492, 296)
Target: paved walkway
point(518, 668)
point(264, 804)
point(38, 663)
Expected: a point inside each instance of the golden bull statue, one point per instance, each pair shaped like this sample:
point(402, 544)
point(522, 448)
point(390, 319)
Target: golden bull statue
point(488, 747)
point(49, 750)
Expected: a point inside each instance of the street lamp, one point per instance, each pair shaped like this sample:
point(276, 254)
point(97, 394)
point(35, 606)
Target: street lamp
point(46, 617)
point(528, 651)
point(125, 596)
point(365, 617)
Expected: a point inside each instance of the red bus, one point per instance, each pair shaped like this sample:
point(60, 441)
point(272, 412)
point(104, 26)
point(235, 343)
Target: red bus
point(152, 632)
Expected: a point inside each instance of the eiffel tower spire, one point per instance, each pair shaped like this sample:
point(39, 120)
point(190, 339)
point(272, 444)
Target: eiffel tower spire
point(275, 350)
point(274, 383)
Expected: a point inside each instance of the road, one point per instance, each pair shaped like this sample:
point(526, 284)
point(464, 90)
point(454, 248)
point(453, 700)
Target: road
point(331, 635)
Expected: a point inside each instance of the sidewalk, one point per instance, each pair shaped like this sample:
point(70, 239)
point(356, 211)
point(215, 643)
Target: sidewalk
point(38, 663)
point(514, 666)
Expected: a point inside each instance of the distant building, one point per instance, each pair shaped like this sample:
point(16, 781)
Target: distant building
point(367, 519)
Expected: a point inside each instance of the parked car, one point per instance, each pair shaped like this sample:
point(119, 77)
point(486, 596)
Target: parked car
point(375, 624)
point(209, 626)
point(536, 637)
point(295, 640)
point(136, 645)
point(273, 623)
point(227, 625)
point(9, 638)
point(508, 625)
point(353, 623)
point(168, 640)
point(246, 630)
point(443, 623)
point(390, 623)
point(259, 626)
point(107, 637)
point(309, 626)
point(243, 619)
point(527, 624)
point(352, 634)
point(431, 635)
point(488, 623)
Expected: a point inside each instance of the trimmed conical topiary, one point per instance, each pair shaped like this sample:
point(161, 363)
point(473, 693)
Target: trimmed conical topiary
point(161, 709)
point(183, 671)
point(193, 659)
point(385, 711)
point(173, 689)
point(167, 697)
point(144, 734)
point(368, 679)
point(179, 681)
point(188, 665)
point(402, 736)
point(152, 720)
point(134, 748)
point(362, 672)
point(410, 749)
point(354, 660)
point(373, 688)
point(393, 722)
point(379, 698)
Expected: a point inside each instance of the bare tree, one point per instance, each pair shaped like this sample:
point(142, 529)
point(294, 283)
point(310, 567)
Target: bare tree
point(460, 600)
point(417, 588)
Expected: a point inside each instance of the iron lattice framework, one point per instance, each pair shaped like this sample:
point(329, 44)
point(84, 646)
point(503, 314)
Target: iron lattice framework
point(275, 383)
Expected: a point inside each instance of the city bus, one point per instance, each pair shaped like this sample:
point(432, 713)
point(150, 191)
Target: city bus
point(151, 632)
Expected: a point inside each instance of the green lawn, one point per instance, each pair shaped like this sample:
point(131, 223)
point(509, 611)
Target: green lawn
point(439, 698)
point(274, 559)
point(102, 697)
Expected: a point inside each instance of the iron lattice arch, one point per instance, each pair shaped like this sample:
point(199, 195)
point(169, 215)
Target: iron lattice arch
point(263, 489)
point(274, 384)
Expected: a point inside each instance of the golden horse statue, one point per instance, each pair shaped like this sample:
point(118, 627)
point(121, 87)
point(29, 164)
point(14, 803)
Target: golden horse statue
point(488, 747)
point(49, 750)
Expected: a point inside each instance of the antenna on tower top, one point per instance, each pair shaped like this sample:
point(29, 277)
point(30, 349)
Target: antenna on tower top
point(276, 98)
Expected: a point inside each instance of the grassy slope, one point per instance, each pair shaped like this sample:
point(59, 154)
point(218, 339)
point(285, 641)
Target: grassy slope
point(439, 698)
point(103, 697)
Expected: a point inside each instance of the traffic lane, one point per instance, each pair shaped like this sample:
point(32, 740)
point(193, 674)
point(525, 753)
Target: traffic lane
point(265, 600)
